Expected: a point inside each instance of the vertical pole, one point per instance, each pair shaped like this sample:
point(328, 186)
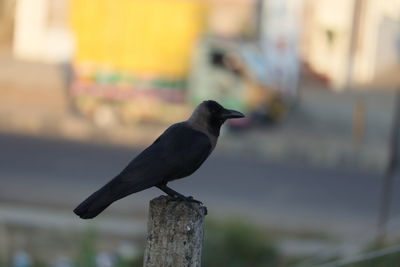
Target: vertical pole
point(359, 122)
point(4, 242)
point(354, 38)
point(175, 233)
point(259, 19)
point(386, 195)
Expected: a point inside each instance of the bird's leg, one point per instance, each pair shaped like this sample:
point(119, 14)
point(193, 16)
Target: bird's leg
point(171, 192)
point(174, 194)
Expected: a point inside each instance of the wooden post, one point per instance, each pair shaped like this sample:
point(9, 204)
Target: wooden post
point(175, 233)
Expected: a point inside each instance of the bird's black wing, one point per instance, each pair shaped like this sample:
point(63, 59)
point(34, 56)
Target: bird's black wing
point(177, 153)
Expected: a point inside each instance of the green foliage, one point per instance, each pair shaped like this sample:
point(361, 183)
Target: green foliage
point(39, 264)
point(228, 243)
point(87, 250)
point(237, 244)
point(125, 263)
point(136, 262)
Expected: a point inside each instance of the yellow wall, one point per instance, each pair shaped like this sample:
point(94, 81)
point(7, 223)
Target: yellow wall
point(152, 37)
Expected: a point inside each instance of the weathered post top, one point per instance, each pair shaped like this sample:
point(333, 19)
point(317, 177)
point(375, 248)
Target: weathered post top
point(175, 233)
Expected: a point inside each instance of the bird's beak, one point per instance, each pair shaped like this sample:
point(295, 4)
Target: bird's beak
point(231, 114)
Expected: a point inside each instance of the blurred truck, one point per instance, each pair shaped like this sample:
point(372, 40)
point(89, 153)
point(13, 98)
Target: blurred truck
point(132, 58)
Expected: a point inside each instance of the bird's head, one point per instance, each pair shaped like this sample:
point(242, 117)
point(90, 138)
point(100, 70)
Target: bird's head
point(211, 115)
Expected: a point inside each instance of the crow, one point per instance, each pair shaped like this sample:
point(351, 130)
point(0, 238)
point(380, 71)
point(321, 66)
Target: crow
point(177, 153)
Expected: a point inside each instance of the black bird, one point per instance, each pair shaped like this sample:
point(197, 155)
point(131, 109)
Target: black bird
point(177, 153)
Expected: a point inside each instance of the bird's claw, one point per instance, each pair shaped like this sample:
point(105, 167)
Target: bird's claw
point(188, 199)
point(191, 199)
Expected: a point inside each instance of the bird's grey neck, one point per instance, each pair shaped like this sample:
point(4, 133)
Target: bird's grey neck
point(203, 126)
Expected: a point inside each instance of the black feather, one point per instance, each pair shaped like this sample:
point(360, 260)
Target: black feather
point(177, 153)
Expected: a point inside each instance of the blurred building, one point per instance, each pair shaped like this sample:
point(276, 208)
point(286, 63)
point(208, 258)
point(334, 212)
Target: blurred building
point(41, 31)
point(230, 19)
point(7, 13)
point(349, 43)
point(168, 54)
point(345, 42)
point(46, 35)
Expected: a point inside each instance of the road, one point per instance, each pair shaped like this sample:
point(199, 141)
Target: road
point(59, 174)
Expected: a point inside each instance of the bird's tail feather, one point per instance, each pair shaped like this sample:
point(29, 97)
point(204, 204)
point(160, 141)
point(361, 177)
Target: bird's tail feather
point(105, 196)
point(93, 205)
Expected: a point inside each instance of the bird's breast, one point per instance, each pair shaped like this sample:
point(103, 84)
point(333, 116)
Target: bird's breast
point(213, 139)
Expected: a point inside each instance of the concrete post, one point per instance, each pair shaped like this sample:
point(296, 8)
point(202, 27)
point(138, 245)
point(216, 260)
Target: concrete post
point(175, 233)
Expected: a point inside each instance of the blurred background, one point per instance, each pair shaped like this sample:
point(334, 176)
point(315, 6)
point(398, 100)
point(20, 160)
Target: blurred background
point(309, 176)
